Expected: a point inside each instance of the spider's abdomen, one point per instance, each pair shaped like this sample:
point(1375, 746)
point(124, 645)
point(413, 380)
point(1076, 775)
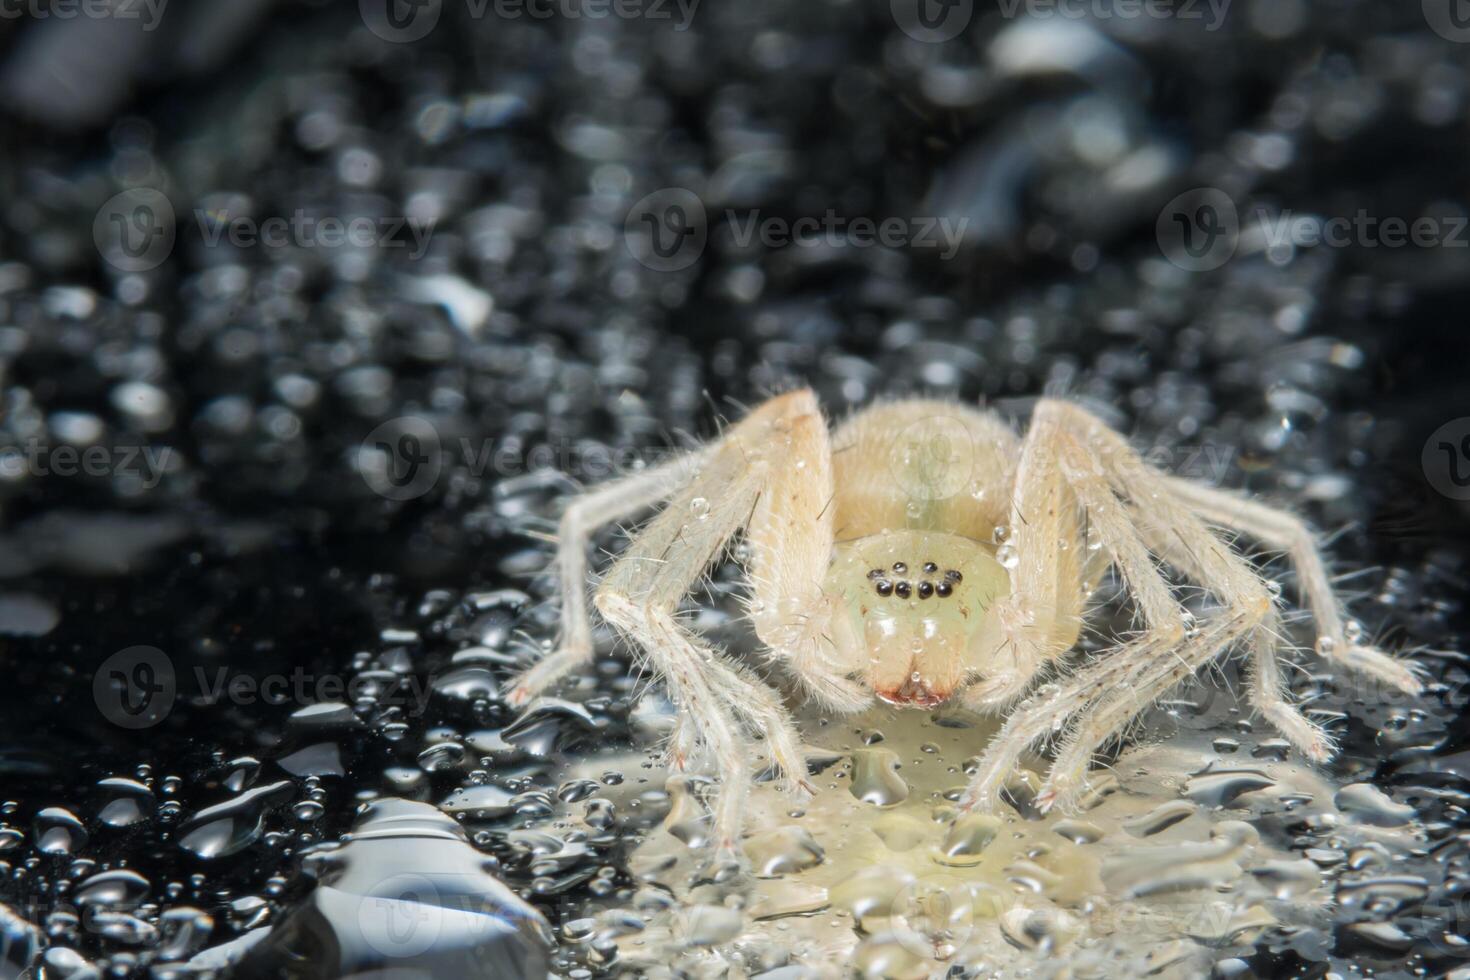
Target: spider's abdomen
point(915, 601)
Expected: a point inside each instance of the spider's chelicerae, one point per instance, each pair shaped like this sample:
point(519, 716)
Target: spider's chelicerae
point(922, 552)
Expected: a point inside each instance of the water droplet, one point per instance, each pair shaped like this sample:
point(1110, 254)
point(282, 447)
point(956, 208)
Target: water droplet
point(875, 777)
point(782, 851)
point(1006, 555)
point(1159, 819)
point(699, 507)
point(129, 802)
point(58, 831)
point(1368, 804)
point(232, 826)
point(967, 838)
point(1326, 646)
point(709, 925)
point(407, 893)
point(1078, 831)
point(113, 888)
point(485, 802)
point(1220, 787)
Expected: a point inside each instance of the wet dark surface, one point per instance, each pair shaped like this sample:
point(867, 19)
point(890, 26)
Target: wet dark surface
point(250, 538)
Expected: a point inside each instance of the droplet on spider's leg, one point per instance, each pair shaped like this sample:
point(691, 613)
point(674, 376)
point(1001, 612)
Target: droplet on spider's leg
point(699, 507)
point(1006, 555)
point(1326, 646)
point(1352, 631)
point(1001, 534)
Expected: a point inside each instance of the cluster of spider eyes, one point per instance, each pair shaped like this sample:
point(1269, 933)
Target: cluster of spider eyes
point(884, 584)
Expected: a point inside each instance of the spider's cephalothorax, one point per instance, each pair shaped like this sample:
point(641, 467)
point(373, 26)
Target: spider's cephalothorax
point(923, 552)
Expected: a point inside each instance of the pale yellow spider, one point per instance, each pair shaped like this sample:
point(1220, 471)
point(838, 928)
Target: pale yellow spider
point(923, 552)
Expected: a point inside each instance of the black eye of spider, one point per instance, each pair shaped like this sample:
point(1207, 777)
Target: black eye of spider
point(884, 587)
point(943, 590)
point(926, 589)
point(900, 567)
point(902, 590)
point(876, 573)
point(930, 567)
point(952, 576)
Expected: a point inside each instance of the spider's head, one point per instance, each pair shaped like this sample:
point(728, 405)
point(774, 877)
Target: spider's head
point(915, 603)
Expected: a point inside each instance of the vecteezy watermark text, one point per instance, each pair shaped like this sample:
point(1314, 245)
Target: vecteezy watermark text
point(404, 457)
point(37, 458)
point(136, 688)
point(136, 230)
point(936, 21)
point(1202, 229)
point(1211, 12)
point(302, 230)
point(406, 21)
point(668, 230)
point(148, 12)
point(833, 229)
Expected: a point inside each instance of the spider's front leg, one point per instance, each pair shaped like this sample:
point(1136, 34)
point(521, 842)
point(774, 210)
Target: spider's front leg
point(583, 516)
point(771, 472)
point(1053, 569)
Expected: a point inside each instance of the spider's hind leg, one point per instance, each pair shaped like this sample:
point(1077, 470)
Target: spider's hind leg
point(1280, 529)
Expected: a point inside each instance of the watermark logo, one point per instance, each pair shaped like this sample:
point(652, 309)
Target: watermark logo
point(401, 458)
point(402, 917)
point(401, 21)
point(933, 916)
point(1199, 230)
point(1446, 459)
point(135, 688)
point(1446, 916)
point(932, 21)
point(667, 230)
point(135, 230)
point(1450, 19)
point(933, 458)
